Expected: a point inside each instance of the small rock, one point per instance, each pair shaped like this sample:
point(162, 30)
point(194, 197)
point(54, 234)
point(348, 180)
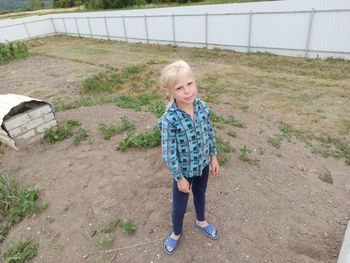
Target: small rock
point(86, 256)
point(326, 176)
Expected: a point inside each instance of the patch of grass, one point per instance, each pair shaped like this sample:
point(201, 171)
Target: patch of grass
point(322, 144)
point(109, 131)
point(231, 120)
point(211, 88)
point(61, 132)
point(86, 102)
point(100, 237)
point(244, 155)
point(234, 122)
point(109, 228)
point(157, 108)
point(128, 102)
point(232, 133)
point(107, 81)
point(334, 59)
point(79, 136)
point(16, 203)
point(12, 50)
point(132, 70)
point(21, 252)
point(224, 149)
point(216, 118)
point(142, 140)
point(129, 226)
point(111, 81)
point(275, 142)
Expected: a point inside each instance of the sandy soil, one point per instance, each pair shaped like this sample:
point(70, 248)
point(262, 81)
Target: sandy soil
point(279, 211)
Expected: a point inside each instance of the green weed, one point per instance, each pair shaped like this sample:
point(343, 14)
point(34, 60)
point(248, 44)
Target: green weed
point(244, 155)
point(232, 133)
point(157, 108)
point(142, 140)
point(109, 131)
point(61, 132)
point(109, 228)
point(231, 120)
point(79, 136)
point(224, 149)
point(21, 252)
point(129, 226)
point(234, 122)
point(15, 203)
point(275, 142)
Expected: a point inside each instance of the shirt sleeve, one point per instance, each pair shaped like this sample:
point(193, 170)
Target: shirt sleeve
point(169, 147)
point(212, 139)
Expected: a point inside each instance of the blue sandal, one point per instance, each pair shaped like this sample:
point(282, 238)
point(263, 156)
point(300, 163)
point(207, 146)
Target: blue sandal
point(208, 230)
point(171, 243)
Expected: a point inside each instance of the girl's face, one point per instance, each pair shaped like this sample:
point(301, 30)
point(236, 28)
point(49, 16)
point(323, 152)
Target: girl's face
point(185, 90)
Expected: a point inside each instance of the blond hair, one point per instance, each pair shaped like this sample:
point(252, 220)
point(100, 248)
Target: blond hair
point(171, 75)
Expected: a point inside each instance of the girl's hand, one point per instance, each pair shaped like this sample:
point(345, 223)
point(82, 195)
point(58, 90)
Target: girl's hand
point(214, 165)
point(183, 185)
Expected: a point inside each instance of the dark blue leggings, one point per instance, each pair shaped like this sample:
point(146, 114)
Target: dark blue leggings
point(180, 200)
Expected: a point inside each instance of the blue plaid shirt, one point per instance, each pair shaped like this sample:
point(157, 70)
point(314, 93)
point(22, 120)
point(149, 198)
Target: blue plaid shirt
point(187, 144)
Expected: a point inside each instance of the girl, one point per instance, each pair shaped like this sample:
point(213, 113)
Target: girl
point(188, 148)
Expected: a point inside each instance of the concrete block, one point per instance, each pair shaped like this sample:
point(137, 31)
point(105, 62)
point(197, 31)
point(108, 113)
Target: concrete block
point(16, 121)
point(47, 125)
point(15, 132)
point(344, 254)
point(38, 112)
point(49, 116)
point(32, 124)
point(26, 135)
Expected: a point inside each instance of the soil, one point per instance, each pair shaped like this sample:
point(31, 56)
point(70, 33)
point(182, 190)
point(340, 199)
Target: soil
point(282, 210)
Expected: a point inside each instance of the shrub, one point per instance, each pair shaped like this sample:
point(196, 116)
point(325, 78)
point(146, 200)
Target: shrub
point(12, 50)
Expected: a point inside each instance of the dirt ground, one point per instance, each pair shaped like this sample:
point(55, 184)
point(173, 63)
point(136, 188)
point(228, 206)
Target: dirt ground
point(277, 211)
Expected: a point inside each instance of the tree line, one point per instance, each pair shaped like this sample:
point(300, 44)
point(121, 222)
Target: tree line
point(112, 4)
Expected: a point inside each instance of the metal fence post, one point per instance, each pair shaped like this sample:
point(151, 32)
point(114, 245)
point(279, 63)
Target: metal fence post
point(124, 26)
point(308, 38)
point(88, 18)
point(53, 25)
point(65, 27)
point(173, 21)
point(250, 30)
point(107, 28)
point(26, 29)
point(76, 23)
point(206, 30)
point(146, 28)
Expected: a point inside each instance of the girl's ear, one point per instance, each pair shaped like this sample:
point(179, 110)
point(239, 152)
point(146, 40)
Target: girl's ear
point(167, 98)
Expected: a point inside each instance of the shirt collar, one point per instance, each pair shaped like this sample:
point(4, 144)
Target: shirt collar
point(173, 106)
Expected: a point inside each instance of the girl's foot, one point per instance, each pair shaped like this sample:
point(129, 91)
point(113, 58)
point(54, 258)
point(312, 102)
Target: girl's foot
point(204, 224)
point(175, 237)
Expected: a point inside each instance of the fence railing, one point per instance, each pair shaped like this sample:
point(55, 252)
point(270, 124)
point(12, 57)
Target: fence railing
point(308, 33)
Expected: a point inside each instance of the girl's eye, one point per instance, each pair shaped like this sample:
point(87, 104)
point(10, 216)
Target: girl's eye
point(178, 88)
point(189, 83)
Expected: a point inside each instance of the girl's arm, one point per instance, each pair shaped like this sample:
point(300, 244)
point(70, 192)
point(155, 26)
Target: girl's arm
point(169, 147)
